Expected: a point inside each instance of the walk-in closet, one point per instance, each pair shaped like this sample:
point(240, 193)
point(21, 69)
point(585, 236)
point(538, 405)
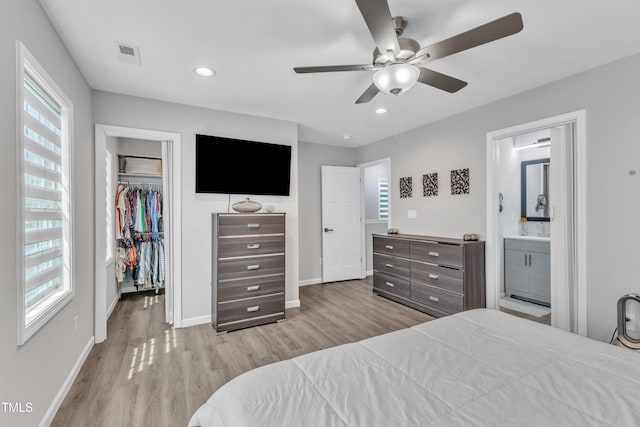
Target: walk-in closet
point(138, 220)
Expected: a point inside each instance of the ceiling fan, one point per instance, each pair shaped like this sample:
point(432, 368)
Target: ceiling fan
point(396, 59)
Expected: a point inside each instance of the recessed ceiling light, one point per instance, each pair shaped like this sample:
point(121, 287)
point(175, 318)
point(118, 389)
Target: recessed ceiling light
point(205, 72)
point(381, 110)
point(347, 136)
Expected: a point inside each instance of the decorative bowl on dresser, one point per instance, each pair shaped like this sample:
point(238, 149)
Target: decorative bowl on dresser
point(436, 275)
point(247, 270)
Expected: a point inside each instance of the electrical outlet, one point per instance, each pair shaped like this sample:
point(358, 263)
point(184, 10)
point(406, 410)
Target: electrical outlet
point(412, 214)
point(631, 322)
point(75, 325)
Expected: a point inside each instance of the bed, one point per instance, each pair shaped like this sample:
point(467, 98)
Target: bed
point(476, 368)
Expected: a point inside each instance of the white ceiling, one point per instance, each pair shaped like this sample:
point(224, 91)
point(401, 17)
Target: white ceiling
point(254, 45)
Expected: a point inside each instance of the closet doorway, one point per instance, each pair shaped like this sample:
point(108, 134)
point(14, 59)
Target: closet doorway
point(566, 211)
point(144, 165)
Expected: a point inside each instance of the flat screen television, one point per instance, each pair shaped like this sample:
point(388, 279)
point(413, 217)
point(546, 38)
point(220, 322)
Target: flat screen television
point(238, 166)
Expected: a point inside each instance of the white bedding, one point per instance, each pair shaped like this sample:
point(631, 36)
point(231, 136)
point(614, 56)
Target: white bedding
point(475, 368)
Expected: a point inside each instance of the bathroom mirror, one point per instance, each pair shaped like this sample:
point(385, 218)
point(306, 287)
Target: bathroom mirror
point(534, 191)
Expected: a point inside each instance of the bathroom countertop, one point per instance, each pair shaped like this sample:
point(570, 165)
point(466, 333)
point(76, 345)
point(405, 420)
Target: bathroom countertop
point(535, 238)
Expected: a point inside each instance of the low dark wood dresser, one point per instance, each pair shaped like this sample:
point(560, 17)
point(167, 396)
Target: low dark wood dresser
point(439, 276)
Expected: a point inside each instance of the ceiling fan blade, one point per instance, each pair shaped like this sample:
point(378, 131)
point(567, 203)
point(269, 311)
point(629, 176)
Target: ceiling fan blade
point(377, 15)
point(494, 30)
point(368, 94)
point(440, 81)
point(330, 68)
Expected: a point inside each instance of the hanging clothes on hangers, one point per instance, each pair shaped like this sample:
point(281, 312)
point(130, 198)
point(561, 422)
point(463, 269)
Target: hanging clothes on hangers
point(139, 228)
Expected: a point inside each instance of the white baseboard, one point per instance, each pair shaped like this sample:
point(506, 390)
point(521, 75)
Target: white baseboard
point(66, 386)
point(292, 304)
point(309, 282)
point(113, 306)
point(369, 273)
point(194, 321)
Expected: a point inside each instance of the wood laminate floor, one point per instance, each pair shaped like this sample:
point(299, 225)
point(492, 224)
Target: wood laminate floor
point(150, 374)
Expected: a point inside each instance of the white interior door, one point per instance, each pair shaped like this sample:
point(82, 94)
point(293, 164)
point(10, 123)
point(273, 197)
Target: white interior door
point(341, 223)
point(168, 237)
point(561, 200)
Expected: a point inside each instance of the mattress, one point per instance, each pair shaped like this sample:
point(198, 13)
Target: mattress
point(476, 368)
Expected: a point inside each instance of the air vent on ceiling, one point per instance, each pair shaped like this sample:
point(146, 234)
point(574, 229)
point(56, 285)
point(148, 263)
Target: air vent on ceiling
point(128, 54)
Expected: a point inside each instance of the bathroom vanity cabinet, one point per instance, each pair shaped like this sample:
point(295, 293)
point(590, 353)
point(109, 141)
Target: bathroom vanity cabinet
point(527, 272)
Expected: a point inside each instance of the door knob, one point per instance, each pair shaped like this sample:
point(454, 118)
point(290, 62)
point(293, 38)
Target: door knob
point(326, 230)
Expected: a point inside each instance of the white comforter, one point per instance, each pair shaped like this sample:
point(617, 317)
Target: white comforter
point(476, 368)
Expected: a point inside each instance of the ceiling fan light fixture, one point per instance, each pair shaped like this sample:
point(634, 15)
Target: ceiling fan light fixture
point(396, 78)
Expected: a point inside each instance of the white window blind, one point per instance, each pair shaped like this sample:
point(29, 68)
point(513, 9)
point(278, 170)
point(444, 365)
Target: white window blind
point(383, 198)
point(45, 209)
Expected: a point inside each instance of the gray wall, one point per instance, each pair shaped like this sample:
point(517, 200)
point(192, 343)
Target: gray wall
point(36, 371)
point(128, 111)
point(311, 157)
point(611, 97)
point(139, 147)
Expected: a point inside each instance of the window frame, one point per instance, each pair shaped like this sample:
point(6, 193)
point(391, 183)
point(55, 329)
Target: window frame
point(46, 309)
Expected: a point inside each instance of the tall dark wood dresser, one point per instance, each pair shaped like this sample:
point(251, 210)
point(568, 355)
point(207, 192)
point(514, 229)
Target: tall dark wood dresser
point(247, 270)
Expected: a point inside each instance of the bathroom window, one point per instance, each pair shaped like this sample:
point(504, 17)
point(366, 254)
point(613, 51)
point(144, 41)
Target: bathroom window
point(383, 198)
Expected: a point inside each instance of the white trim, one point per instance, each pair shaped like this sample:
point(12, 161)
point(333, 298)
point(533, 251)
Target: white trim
point(310, 282)
point(25, 60)
point(113, 304)
point(580, 164)
point(369, 273)
point(195, 321)
point(66, 386)
point(175, 228)
point(292, 304)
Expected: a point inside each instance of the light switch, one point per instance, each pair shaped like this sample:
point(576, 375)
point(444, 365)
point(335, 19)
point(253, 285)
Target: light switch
point(412, 214)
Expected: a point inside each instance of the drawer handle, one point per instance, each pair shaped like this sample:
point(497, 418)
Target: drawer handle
point(434, 299)
point(253, 267)
point(253, 225)
point(389, 247)
point(390, 284)
point(252, 309)
point(253, 246)
point(433, 253)
point(253, 288)
point(389, 265)
point(433, 276)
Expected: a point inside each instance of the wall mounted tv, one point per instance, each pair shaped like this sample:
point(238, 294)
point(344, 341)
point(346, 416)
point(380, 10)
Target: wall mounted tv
point(237, 166)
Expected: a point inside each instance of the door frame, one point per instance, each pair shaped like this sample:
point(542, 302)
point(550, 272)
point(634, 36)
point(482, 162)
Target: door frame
point(174, 162)
point(580, 210)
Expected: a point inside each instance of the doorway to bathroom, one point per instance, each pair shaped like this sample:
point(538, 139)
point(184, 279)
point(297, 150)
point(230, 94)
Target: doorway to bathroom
point(524, 163)
point(536, 220)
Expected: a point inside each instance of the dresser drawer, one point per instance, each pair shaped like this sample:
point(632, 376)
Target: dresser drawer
point(259, 286)
point(437, 253)
point(247, 224)
point(391, 265)
point(392, 285)
point(230, 247)
point(443, 301)
point(449, 279)
point(250, 308)
point(396, 247)
point(229, 269)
